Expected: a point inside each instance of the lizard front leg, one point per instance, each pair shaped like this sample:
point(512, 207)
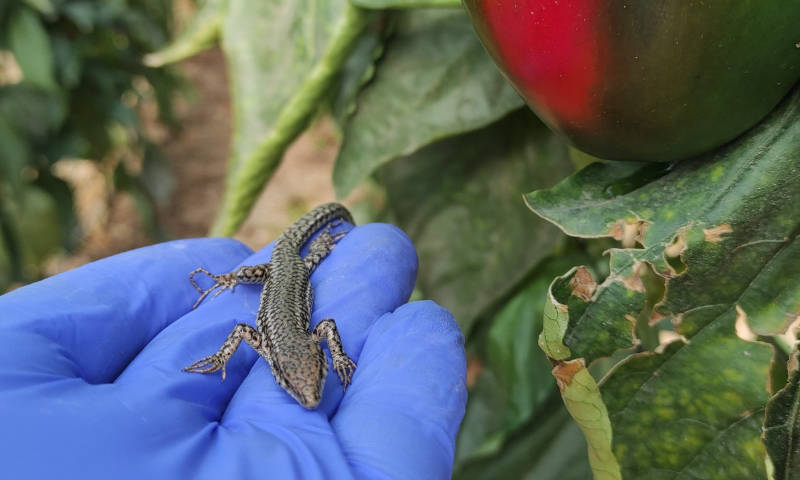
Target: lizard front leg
point(217, 361)
point(341, 362)
point(247, 274)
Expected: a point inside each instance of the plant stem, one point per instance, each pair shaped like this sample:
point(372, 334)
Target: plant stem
point(247, 181)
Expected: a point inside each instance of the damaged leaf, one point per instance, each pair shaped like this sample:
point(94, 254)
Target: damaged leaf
point(731, 219)
point(584, 320)
point(582, 399)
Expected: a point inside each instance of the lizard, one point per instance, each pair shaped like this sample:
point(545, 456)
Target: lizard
point(282, 335)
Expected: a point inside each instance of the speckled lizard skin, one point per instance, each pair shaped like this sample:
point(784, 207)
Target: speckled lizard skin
point(282, 333)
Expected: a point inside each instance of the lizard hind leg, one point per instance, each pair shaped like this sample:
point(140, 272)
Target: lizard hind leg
point(320, 247)
point(342, 364)
point(217, 361)
point(337, 236)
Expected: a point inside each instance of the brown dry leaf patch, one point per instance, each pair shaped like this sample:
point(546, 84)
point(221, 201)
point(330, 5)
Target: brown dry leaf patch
point(715, 234)
point(677, 246)
point(743, 329)
point(583, 285)
point(565, 371)
point(628, 233)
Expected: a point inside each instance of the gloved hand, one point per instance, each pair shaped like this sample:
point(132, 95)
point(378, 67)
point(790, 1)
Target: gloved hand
point(91, 383)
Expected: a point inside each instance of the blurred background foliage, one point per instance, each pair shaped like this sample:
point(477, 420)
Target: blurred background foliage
point(71, 87)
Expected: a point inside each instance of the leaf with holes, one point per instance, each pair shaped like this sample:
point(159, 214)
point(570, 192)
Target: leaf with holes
point(589, 321)
point(723, 231)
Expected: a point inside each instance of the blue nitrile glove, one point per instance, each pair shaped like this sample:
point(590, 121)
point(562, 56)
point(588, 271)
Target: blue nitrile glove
point(91, 383)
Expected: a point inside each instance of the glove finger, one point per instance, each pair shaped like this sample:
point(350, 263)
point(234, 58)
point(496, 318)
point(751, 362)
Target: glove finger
point(400, 419)
point(90, 322)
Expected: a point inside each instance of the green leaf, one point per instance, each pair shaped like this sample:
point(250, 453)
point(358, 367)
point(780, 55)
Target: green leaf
point(44, 7)
point(359, 68)
point(782, 428)
point(28, 40)
point(549, 448)
point(434, 81)
point(201, 33)
point(61, 194)
point(583, 401)
point(278, 83)
point(83, 14)
point(380, 4)
point(722, 230)
point(584, 320)
point(34, 219)
point(6, 269)
point(11, 254)
point(704, 399)
point(31, 112)
point(13, 155)
point(459, 201)
point(68, 63)
point(515, 380)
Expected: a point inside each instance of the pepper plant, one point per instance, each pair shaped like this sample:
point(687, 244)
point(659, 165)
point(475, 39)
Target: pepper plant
point(625, 320)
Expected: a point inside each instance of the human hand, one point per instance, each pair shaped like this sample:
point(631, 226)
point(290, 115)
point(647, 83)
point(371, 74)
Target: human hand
point(91, 383)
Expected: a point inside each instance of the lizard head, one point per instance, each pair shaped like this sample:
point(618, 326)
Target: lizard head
point(304, 377)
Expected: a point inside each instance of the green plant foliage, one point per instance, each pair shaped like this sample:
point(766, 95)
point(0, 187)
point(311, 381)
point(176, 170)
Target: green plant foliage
point(434, 81)
point(549, 448)
point(27, 40)
point(513, 401)
point(584, 403)
point(359, 68)
point(406, 3)
point(277, 86)
point(782, 428)
point(75, 95)
point(731, 219)
point(515, 381)
point(201, 33)
point(447, 197)
point(423, 93)
point(584, 320)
